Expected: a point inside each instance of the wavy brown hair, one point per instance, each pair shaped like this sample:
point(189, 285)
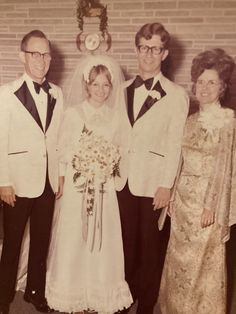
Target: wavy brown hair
point(215, 59)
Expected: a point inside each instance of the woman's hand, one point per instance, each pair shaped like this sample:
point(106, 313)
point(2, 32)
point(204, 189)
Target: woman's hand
point(207, 218)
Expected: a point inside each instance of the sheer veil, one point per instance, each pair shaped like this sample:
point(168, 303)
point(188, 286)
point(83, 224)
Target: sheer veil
point(77, 92)
point(115, 113)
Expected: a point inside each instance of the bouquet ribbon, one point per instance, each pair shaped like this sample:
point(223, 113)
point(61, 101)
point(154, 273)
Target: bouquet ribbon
point(92, 223)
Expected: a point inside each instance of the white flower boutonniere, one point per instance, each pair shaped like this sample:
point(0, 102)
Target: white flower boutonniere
point(155, 94)
point(53, 92)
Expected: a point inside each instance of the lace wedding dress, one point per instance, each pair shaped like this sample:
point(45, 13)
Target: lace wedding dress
point(86, 264)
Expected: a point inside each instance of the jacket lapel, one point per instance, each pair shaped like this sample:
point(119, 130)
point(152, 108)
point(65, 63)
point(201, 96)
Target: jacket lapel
point(130, 95)
point(50, 108)
point(25, 97)
point(149, 101)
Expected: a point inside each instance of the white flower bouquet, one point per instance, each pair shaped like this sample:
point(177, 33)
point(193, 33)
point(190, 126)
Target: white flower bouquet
point(95, 162)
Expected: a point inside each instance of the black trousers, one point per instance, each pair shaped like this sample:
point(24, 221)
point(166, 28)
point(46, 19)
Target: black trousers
point(231, 270)
point(144, 248)
point(40, 212)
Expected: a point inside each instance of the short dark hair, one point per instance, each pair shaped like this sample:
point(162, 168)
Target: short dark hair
point(150, 29)
point(35, 33)
point(214, 59)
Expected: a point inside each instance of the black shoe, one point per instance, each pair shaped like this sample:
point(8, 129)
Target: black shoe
point(4, 308)
point(41, 306)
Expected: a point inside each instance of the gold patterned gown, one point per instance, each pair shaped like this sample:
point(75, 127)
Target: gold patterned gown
point(194, 276)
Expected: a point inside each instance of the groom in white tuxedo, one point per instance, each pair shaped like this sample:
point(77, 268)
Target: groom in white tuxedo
point(156, 112)
point(30, 115)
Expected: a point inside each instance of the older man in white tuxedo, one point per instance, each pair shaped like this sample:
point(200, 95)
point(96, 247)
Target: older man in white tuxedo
point(156, 112)
point(30, 115)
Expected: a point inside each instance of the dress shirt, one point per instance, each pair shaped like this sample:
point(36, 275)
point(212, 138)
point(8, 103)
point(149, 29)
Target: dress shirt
point(140, 94)
point(40, 99)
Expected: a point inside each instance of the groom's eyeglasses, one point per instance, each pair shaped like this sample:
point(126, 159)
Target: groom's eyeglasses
point(38, 55)
point(154, 49)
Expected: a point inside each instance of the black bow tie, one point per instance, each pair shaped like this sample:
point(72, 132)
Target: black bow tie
point(45, 86)
point(139, 82)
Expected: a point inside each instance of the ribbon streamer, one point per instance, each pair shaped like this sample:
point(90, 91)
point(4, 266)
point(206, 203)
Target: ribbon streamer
point(92, 223)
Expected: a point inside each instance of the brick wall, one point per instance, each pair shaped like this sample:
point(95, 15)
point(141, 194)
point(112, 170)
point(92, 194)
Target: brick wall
point(194, 25)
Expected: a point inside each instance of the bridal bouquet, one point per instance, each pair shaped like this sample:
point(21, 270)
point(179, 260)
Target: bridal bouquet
point(95, 162)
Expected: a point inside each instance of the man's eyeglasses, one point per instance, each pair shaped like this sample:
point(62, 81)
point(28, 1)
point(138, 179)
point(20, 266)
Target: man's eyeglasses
point(37, 55)
point(154, 49)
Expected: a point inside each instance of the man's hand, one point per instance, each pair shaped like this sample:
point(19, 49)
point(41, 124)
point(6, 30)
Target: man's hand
point(7, 195)
point(171, 208)
point(207, 217)
point(61, 181)
point(161, 198)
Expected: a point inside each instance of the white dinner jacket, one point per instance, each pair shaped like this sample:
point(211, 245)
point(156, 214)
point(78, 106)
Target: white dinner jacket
point(150, 149)
point(25, 148)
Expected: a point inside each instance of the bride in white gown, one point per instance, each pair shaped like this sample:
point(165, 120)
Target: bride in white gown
point(85, 265)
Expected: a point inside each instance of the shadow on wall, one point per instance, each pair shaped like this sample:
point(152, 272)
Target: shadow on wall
point(174, 60)
point(230, 95)
point(56, 71)
point(173, 63)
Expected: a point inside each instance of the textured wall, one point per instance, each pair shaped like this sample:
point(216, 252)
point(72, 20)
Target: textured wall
point(194, 26)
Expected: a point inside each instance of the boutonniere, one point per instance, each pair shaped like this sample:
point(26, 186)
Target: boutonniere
point(154, 94)
point(53, 92)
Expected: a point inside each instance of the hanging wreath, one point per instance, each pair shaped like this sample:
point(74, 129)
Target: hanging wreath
point(91, 8)
point(103, 22)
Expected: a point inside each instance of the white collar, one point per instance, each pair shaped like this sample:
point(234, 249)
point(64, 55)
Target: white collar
point(157, 78)
point(90, 111)
point(29, 81)
point(210, 107)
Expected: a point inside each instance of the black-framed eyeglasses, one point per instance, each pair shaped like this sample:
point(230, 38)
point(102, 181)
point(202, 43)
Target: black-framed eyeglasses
point(37, 55)
point(154, 49)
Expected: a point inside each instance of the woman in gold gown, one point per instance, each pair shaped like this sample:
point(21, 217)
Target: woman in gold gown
point(202, 207)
